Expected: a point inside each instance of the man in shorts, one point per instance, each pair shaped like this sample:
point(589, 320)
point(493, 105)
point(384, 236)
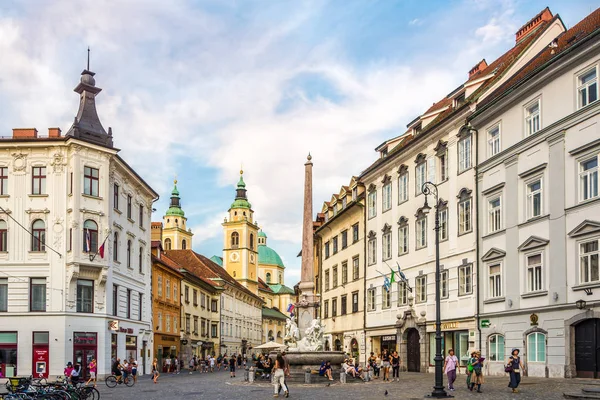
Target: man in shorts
point(232, 363)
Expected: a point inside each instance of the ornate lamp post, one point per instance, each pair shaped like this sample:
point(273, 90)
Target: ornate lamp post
point(438, 388)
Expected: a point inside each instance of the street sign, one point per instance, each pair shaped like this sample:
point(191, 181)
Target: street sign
point(485, 323)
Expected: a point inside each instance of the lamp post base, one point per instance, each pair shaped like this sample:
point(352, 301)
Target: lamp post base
point(437, 394)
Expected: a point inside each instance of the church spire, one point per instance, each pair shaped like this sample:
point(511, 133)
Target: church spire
point(175, 206)
point(241, 198)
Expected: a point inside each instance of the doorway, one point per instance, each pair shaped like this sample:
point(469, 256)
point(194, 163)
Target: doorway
point(413, 350)
point(587, 348)
point(354, 349)
point(84, 350)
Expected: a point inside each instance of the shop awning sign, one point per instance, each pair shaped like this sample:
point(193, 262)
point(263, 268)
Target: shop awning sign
point(113, 325)
point(485, 323)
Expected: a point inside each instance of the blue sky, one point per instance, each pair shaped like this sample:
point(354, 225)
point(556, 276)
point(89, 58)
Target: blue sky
point(195, 89)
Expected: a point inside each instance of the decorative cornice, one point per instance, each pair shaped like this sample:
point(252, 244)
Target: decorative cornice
point(585, 147)
point(533, 170)
point(533, 242)
point(493, 189)
point(403, 221)
point(402, 169)
point(386, 179)
point(371, 235)
point(371, 188)
point(420, 158)
point(511, 160)
point(441, 147)
point(386, 228)
point(585, 228)
point(464, 194)
point(493, 254)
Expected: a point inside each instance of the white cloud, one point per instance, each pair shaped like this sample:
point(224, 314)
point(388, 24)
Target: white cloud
point(415, 22)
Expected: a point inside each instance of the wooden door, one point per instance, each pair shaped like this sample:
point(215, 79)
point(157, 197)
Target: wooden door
point(413, 350)
point(587, 348)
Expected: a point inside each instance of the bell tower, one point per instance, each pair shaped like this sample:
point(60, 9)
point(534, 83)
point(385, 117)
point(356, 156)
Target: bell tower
point(240, 238)
point(175, 234)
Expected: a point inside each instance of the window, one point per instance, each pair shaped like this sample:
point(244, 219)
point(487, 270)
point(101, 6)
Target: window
point(532, 118)
point(37, 290)
point(421, 289)
point(334, 273)
point(495, 288)
point(85, 296)
point(90, 236)
point(167, 244)
point(464, 216)
point(90, 181)
point(355, 268)
point(344, 239)
point(403, 187)
point(129, 206)
point(536, 347)
point(3, 181)
point(202, 300)
point(334, 307)
point(334, 242)
point(159, 285)
point(444, 284)
point(372, 251)
point(115, 300)
point(195, 297)
point(588, 179)
point(420, 177)
point(187, 323)
point(497, 348)
point(493, 140)
point(588, 262)
point(344, 201)
point(495, 215)
point(402, 294)
point(159, 322)
point(355, 233)
point(443, 161)
point(421, 231)
point(335, 209)
point(141, 260)
point(371, 299)
point(168, 289)
point(587, 87)
point(186, 294)
point(251, 241)
point(443, 231)
point(116, 196)
point(141, 215)
point(344, 305)
point(465, 283)
point(3, 236)
point(326, 281)
point(268, 277)
point(38, 240)
point(116, 246)
point(129, 254)
point(386, 298)
point(3, 294)
point(386, 197)
point(213, 305)
point(464, 153)
point(128, 303)
point(534, 199)
point(175, 297)
point(327, 250)
point(167, 323)
point(403, 239)
point(38, 180)
point(344, 272)
point(372, 203)
point(534, 272)
point(235, 240)
point(326, 309)
point(354, 193)
point(214, 331)
point(354, 302)
point(386, 247)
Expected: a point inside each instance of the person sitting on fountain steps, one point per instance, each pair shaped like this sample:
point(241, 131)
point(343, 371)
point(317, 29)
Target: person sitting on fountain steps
point(349, 369)
point(325, 370)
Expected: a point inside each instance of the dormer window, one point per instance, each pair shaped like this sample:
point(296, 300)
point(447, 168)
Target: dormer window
point(354, 193)
point(417, 129)
point(384, 152)
point(344, 202)
point(459, 100)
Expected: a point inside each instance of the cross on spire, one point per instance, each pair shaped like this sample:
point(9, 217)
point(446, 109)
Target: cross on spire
point(88, 63)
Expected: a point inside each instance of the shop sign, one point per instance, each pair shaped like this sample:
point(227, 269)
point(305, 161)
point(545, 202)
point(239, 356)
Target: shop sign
point(113, 325)
point(389, 338)
point(485, 323)
point(126, 330)
point(446, 326)
point(88, 338)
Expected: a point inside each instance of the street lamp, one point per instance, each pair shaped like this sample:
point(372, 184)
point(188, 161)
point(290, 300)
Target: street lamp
point(438, 388)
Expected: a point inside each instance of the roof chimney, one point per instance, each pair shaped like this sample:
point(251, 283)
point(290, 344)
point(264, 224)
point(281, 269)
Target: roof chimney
point(54, 132)
point(481, 65)
point(25, 133)
point(543, 16)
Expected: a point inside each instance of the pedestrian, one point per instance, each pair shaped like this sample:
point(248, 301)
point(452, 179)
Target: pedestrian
point(133, 364)
point(232, 366)
point(116, 369)
point(514, 367)
point(155, 373)
point(212, 364)
point(219, 362)
point(191, 365)
point(385, 361)
point(451, 368)
point(239, 360)
point(373, 364)
point(75, 373)
point(67, 371)
point(176, 369)
point(279, 374)
point(93, 366)
point(395, 366)
point(477, 374)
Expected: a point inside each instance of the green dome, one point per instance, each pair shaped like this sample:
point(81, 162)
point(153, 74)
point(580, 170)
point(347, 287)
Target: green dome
point(241, 203)
point(268, 256)
point(175, 206)
point(262, 234)
point(241, 200)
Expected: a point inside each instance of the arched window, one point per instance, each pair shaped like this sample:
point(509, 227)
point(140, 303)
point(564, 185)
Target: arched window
point(536, 347)
point(3, 236)
point(167, 244)
point(235, 240)
point(496, 348)
point(279, 335)
point(268, 277)
point(338, 345)
point(280, 279)
point(129, 254)
point(116, 246)
point(141, 260)
point(183, 244)
point(90, 236)
point(38, 241)
point(252, 241)
point(270, 335)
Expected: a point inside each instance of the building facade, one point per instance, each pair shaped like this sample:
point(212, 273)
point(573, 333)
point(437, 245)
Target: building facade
point(539, 147)
point(75, 256)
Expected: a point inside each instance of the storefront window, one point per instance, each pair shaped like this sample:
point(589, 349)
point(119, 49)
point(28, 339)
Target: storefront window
point(388, 343)
point(113, 346)
point(131, 347)
point(8, 353)
point(459, 341)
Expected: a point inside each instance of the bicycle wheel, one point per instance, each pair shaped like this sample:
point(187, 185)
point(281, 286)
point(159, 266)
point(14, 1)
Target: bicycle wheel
point(111, 381)
point(89, 393)
point(129, 381)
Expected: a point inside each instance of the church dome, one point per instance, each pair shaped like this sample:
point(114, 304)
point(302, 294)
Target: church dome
point(266, 255)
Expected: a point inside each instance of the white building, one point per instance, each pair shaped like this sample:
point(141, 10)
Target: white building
point(61, 198)
point(539, 149)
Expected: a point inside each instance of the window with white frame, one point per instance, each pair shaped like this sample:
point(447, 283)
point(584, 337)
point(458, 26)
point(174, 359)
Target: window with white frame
point(420, 176)
point(494, 214)
point(371, 299)
point(372, 251)
point(464, 216)
point(588, 178)
point(334, 276)
point(587, 87)
point(355, 268)
point(372, 203)
point(386, 246)
point(496, 348)
point(386, 298)
point(326, 280)
point(532, 118)
point(443, 231)
point(402, 293)
point(493, 140)
point(536, 347)
point(443, 165)
point(354, 193)
point(465, 279)
point(421, 289)
point(403, 239)
point(464, 153)
point(444, 284)
point(495, 279)
point(421, 231)
point(588, 261)
point(534, 199)
point(534, 272)
point(403, 187)
point(386, 194)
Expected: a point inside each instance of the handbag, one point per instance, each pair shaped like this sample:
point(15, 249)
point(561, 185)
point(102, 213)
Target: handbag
point(508, 369)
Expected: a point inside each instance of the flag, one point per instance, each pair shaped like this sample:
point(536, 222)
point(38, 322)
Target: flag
point(400, 273)
point(392, 278)
point(386, 282)
point(88, 246)
point(290, 308)
point(101, 251)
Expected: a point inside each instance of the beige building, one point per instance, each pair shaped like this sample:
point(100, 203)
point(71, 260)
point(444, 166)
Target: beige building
point(341, 236)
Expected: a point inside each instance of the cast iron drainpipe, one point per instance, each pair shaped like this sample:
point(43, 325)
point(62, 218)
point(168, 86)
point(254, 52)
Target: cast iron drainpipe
point(471, 129)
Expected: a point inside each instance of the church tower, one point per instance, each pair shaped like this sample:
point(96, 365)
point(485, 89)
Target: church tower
point(175, 234)
point(240, 233)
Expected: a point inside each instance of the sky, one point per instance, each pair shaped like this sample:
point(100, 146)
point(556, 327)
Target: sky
point(194, 90)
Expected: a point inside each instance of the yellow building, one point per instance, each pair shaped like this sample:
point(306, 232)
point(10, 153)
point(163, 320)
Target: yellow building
point(340, 239)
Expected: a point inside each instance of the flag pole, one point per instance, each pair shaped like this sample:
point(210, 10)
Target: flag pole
point(93, 256)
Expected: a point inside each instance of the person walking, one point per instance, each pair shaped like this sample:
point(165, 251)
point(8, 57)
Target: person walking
point(451, 368)
point(395, 366)
point(385, 362)
point(232, 362)
point(374, 365)
point(279, 376)
point(75, 373)
point(155, 373)
point(93, 366)
point(286, 371)
point(134, 365)
point(191, 365)
point(514, 367)
point(477, 375)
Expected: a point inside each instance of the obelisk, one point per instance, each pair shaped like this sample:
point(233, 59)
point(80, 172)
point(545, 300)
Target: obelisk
point(307, 302)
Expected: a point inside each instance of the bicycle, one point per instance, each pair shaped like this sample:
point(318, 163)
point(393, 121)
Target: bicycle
point(112, 381)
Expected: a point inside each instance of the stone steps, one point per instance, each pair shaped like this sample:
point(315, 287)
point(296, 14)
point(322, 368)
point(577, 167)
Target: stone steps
point(586, 393)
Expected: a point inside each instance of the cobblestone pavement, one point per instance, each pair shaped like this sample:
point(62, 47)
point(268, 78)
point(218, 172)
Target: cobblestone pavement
point(218, 386)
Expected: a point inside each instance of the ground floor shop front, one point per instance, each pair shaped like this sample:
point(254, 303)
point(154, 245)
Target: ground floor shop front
point(352, 343)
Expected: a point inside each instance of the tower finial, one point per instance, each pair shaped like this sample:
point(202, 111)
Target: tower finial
point(88, 63)
point(241, 168)
point(309, 156)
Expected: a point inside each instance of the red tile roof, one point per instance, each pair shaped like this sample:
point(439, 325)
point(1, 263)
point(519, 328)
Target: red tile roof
point(156, 223)
point(263, 286)
point(445, 102)
point(155, 244)
point(166, 262)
